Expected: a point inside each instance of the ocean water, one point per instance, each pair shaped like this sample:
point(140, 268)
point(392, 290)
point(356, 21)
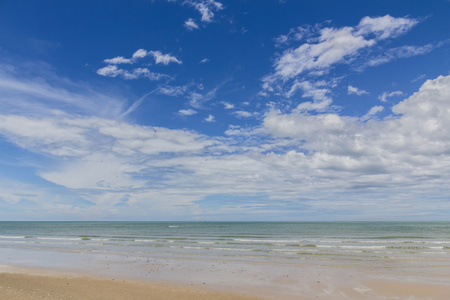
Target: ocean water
point(364, 244)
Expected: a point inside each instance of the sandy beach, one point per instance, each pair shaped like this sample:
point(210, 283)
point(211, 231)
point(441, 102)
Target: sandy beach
point(17, 283)
point(23, 287)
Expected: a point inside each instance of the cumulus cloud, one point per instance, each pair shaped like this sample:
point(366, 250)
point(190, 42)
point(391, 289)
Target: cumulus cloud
point(111, 70)
point(318, 91)
point(399, 146)
point(210, 118)
point(385, 27)
point(351, 90)
point(326, 47)
point(164, 59)
point(227, 105)
point(140, 53)
point(159, 57)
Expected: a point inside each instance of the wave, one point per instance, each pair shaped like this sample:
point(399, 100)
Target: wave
point(11, 237)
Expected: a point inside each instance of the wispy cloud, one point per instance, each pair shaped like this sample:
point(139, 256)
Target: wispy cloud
point(197, 99)
point(373, 111)
point(336, 154)
point(45, 93)
point(399, 52)
point(245, 114)
point(384, 97)
point(187, 112)
point(206, 8)
point(351, 90)
point(190, 24)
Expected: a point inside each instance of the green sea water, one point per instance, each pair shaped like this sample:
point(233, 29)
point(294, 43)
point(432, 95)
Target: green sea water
point(345, 243)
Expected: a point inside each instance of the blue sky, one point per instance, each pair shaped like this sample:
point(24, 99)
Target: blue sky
point(224, 110)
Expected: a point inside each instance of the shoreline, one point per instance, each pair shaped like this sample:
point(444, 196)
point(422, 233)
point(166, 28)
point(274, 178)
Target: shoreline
point(288, 261)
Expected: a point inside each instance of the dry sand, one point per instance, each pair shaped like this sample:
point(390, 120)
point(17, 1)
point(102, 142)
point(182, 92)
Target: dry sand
point(25, 284)
point(23, 287)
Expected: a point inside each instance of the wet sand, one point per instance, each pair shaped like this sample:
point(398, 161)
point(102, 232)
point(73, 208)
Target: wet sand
point(31, 274)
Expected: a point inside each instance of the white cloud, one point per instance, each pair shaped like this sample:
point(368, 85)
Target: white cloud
point(196, 99)
point(399, 52)
point(326, 47)
point(210, 118)
point(383, 97)
point(98, 172)
point(227, 105)
point(294, 35)
point(118, 60)
point(164, 59)
point(373, 111)
point(245, 114)
point(187, 112)
point(47, 93)
point(321, 158)
point(140, 53)
point(332, 47)
point(45, 135)
point(190, 24)
point(385, 27)
point(420, 77)
point(312, 90)
point(401, 146)
point(351, 90)
point(143, 72)
point(173, 91)
point(206, 8)
point(113, 71)
point(110, 71)
point(205, 60)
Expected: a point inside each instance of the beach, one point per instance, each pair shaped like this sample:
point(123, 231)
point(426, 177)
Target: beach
point(23, 284)
point(224, 261)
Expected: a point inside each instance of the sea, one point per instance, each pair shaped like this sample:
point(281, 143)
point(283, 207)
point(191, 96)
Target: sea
point(322, 243)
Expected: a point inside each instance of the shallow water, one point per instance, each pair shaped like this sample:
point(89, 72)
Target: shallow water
point(327, 243)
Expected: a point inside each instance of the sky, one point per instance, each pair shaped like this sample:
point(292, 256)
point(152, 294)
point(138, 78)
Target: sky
point(221, 110)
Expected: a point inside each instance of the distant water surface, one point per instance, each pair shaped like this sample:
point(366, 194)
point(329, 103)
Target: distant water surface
point(325, 243)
